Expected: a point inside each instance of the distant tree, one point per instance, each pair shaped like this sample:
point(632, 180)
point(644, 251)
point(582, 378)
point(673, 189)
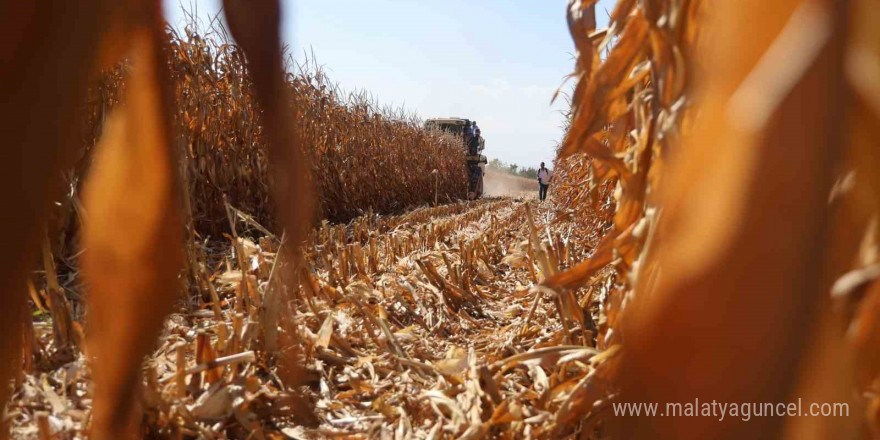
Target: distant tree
point(531, 173)
point(497, 164)
point(516, 170)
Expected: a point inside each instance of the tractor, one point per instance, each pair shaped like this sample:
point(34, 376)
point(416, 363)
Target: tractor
point(473, 147)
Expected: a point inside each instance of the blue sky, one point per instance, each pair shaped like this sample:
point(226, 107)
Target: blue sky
point(494, 61)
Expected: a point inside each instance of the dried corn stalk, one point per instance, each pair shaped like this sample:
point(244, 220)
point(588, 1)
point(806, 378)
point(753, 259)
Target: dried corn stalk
point(362, 156)
point(749, 218)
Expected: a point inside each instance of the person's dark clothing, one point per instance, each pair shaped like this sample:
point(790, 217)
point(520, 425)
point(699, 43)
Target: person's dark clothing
point(542, 190)
point(474, 146)
point(544, 178)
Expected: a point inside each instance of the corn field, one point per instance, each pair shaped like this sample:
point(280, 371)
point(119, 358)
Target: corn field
point(248, 271)
point(363, 157)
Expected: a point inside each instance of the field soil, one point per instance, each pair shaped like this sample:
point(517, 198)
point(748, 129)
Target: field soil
point(422, 325)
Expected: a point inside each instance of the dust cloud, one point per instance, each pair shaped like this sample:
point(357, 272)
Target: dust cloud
point(498, 183)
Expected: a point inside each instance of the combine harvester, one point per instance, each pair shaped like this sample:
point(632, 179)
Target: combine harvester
point(475, 161)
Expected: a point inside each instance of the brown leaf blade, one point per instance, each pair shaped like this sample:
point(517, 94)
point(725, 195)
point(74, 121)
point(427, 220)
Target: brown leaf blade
point(132, 240)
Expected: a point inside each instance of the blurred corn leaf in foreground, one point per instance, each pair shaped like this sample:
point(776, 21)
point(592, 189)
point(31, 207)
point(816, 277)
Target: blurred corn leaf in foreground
point(732, 239)
point(132, 235)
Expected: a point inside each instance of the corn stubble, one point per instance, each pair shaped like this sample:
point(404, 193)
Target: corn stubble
point(713, 235)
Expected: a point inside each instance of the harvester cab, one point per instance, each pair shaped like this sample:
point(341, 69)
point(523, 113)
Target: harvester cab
point(473, 145)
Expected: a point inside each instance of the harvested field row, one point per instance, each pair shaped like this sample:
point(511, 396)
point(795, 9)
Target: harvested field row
point(421, 324)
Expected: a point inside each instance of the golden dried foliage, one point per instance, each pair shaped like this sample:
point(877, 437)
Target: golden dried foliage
point(713, 237)
point(40, 131)
point(713, 151)
point(132, 238)
point(248, 131)
point(355, 154)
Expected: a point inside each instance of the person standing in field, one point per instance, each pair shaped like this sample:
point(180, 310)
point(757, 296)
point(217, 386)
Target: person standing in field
point(544, 178)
